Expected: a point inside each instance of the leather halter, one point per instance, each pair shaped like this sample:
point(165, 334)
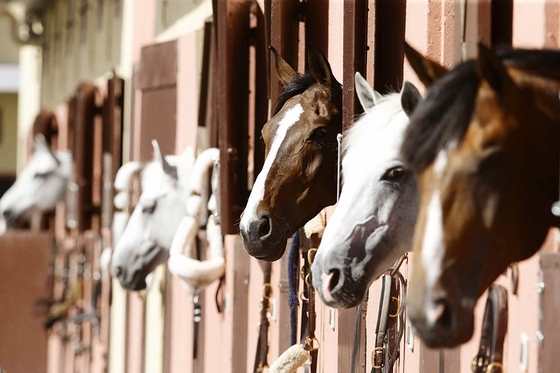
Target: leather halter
point(308, 314)
point(389, 329)
point(390, 322)
point(494, 329)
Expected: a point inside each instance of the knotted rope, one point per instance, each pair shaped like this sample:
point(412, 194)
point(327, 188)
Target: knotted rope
point(182, 262)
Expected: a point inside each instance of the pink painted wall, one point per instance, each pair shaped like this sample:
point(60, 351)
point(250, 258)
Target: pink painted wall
point(434, 28)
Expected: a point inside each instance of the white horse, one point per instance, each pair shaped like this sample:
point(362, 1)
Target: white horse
point(373, 222)
point(39, 186)
point(149, 232)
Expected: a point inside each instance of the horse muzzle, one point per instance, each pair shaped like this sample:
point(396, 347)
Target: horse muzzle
point(262, 241)
point(335, 288)
point(440, 324)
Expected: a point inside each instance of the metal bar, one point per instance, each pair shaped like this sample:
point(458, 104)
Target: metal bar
point(82, 150)
point(355, 49)
point(390, 16)
point(233, 74)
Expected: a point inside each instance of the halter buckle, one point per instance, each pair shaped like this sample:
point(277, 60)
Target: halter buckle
point(495, 367)
point(377, 357)
point(478, 363)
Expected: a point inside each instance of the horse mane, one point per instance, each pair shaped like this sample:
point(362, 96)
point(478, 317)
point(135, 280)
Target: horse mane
point(296, 86)
point(443, 117)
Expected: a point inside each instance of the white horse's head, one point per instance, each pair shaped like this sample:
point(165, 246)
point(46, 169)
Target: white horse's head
point(374, 219)
point(148, 234)
point(39, 186)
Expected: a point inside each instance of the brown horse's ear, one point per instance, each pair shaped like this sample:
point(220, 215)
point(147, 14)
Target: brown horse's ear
point(491, 69)
point(428, 71)
point(410, 97)
point(283, 69)
point(319, 65)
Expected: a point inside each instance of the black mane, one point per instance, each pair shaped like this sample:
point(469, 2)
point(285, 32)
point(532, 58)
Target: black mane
point(444, 115)
point(296, 86)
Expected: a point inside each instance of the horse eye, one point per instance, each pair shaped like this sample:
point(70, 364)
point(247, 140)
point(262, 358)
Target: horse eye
point(319, 133)
point(41, 175)
point(491, 161)
point(149, 209)
point(394, 174)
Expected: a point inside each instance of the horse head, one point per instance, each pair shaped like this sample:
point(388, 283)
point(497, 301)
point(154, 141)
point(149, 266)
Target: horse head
point(298, 177)
point(147, 237)
point(373, 222)
point(483, 145)
point(40, 185)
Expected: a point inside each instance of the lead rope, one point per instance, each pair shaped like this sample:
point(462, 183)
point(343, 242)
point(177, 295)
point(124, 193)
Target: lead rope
point(185, 256)
point(293, 303)
point(262, 343)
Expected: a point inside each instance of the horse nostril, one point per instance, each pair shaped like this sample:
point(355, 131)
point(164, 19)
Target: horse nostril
point(118, 271)
point(441, 315)
point(334, 279)
point(264, 226)
point(7, 213)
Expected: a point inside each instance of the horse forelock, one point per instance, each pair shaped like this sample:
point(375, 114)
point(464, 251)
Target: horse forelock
point(296, 86)
point(365, 127)
point(445, 114)
point(442, 117)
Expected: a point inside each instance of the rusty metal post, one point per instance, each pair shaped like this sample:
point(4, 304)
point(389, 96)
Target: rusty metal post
point(355, 49)
point(232, 32)
point(82, 149)
point(390, 16)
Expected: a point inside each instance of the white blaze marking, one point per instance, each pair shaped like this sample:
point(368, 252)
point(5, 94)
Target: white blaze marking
point(440, 163)
point(432, 243)
point(290, 118)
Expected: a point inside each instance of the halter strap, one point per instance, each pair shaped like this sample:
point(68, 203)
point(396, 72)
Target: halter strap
point(390, 322)
point(493, 332)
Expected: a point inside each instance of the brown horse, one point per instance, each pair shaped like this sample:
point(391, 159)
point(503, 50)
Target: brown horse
point(484, 146)
point(298, 177)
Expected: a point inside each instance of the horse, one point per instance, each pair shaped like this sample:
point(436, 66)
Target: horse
point(40, 185)
point(298, 177)
point(483, 145)
point(147, 237)
point(360, 243)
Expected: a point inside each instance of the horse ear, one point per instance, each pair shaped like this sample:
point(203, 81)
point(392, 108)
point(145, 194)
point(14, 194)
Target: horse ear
point(410, 97)
point(158, 156)
point(319, 65)
point(367, 96)
point(283, 69)
point(40, 143)
point(428, 71)
point(491, 69)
